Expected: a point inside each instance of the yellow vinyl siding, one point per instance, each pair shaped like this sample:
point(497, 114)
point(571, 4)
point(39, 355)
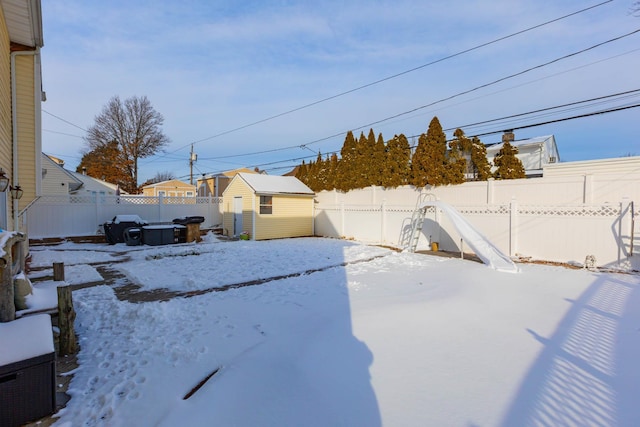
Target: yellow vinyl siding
point(173, 188)
point(5, 119)
point(291, 217)
point(24, 66)
point(237, 188)
point(5, 99)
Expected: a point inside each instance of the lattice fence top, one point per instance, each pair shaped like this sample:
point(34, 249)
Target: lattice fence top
point(125, 199)
point(586, 211)
point(608, 210)
point(484, 210)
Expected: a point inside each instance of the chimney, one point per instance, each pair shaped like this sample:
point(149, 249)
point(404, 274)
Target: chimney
point(508, 136)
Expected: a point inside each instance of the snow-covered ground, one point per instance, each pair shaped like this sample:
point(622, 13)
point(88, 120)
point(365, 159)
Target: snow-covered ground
point(370, 337)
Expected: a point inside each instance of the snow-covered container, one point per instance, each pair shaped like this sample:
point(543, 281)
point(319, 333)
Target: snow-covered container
point(27, 370)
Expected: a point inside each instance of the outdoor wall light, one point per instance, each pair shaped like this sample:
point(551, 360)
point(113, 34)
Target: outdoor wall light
point(4, 181)
point(16, 192)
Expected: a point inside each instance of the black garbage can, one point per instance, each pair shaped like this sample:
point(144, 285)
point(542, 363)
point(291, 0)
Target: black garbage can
point(114, 229)
point(133, 236)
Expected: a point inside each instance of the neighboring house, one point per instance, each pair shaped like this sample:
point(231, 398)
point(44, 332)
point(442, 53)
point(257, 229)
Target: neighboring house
point(20, 110)
point(534, 153)
point(56, 180)
point(267, 207)
point(91, 185)
point(214, 185)
point(170, 188)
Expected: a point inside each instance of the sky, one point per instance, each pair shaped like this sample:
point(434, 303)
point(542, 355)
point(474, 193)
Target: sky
point(267, 84)
point(370, 337)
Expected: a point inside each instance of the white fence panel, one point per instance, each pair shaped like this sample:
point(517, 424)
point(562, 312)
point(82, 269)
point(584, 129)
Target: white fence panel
point(552, 233)
point(66, 216)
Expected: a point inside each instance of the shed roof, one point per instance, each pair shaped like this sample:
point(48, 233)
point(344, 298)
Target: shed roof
point(274, 184)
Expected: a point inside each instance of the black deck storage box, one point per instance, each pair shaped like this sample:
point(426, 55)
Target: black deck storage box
point(27, 390)
point(155, 235)
point(27, 370)
point(193, 227)
point(114, 229)
point(189, 220)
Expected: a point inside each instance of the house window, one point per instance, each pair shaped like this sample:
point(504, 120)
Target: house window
point(189, 193)
point(266, 205)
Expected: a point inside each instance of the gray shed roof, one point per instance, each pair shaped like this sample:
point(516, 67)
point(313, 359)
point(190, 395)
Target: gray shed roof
point(274, 184)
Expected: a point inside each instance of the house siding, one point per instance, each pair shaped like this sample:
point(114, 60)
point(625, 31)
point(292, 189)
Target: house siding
point(236, 188)
point(5, 118)
point(54, 180)
point(291, 216)
point(26, 125)
point(174, 188)
point(5, 98)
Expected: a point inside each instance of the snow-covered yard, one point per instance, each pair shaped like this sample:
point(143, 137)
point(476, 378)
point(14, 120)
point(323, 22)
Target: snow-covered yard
point(369, 337)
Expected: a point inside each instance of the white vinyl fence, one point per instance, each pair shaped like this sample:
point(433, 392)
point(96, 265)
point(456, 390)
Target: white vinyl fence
point(552, 232)
point(66, 216)
point(577, 209)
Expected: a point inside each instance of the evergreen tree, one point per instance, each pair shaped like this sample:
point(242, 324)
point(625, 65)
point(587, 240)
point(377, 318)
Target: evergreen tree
point(379, 168)
point(457, 162)
point(348, 159)
point(397, 164)
point(420, 163)
point(481, 166)
point(364, 154)
point(332, 169)
point(507, 164)
point(429, 162)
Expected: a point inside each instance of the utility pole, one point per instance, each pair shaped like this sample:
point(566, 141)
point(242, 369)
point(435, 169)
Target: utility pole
point(192, 158)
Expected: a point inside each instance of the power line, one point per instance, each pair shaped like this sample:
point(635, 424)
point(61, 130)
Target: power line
point(626, 94)
point(544, 109)
point(61, 133)
point(526, 126)
point(595, 113)
point(494, 82)
point(63, 120)
point(384, 79)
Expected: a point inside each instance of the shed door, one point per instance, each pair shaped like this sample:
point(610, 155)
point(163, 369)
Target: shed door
point(237, 216)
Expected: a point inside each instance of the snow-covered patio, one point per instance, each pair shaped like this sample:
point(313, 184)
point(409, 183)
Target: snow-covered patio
point(369, 337)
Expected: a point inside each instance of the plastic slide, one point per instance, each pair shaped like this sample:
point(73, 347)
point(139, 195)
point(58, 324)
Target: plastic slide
point(483, 248)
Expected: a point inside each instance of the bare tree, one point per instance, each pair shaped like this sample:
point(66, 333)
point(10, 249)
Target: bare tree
point(136, 128)
point(635, 8)
point(163, 176)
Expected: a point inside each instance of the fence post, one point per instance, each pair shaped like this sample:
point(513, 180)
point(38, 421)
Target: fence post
point(160, 203)
point(342, 219)
point(210, 211)
point(490, 182)
point(624, 233)
point(383, 221)
point(513, 227)
point(587, 189)
point(58, 271)
point(98, 210)
point(66, 316)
